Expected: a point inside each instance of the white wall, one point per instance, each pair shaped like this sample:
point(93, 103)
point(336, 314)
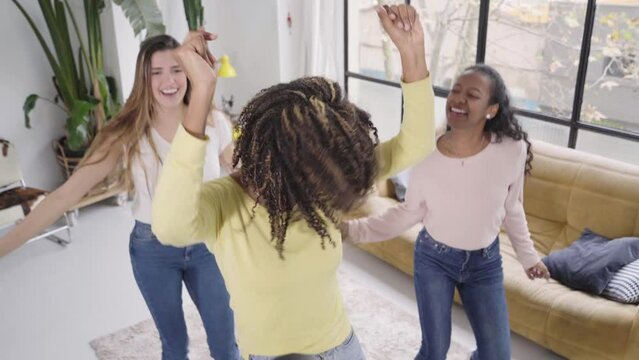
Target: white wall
point(109, 46)
point(314, 44)
point(291, 49)
point(248, 33)
point(24, 70)
point(125, 47)
point(174, 17)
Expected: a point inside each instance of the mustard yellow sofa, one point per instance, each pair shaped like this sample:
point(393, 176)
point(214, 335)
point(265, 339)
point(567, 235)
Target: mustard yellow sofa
point(567, 191)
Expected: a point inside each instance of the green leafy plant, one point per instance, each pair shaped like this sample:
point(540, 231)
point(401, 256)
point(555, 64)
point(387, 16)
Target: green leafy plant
point(73, 95)
point(194, 13)
point(143, 15)
point(84, 92)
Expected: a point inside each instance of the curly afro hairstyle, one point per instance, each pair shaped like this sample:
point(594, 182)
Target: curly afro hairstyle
point(307, 153)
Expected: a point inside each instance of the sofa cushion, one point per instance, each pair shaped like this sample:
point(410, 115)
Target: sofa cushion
point(590, 325)
point(624, 285)
point(589, 263)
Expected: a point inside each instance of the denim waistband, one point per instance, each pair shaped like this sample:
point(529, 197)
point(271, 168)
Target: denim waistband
point(427, 238)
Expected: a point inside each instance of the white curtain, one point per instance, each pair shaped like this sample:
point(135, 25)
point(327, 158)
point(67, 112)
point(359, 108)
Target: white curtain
point(323, 38)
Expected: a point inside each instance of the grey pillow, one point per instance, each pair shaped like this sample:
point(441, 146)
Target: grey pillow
point(590, 262)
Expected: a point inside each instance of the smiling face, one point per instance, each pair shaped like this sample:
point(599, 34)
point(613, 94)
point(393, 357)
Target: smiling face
point(168, 81)
point(468, 103)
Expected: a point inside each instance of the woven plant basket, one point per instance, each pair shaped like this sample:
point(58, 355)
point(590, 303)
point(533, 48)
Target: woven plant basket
point(69, 163)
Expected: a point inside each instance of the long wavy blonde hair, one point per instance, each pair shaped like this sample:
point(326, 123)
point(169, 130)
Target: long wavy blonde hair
point(135, 119)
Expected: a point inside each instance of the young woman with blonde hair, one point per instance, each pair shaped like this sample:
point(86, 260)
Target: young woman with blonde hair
point(141, 135)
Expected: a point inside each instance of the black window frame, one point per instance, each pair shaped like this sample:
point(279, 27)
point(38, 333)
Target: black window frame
point(573, 122)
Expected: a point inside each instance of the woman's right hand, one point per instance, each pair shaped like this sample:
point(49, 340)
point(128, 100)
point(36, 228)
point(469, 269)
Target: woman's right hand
point(402, 24)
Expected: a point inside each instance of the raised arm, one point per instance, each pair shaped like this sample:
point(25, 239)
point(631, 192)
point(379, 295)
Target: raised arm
point(185, 211)
point(101, 163)
point(416, 138)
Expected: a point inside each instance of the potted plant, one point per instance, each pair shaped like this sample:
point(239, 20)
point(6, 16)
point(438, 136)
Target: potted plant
point(86, 97)
point(83, 91)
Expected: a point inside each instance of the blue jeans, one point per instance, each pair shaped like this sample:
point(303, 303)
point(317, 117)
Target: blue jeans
point(350, 349)
point(479, 278)
point(159, 271)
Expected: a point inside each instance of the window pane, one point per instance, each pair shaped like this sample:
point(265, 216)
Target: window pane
point(450, 31)
point(535, 45)
point(545, 131)
point(371, 52)
point(608, 146)
point(383, 102)
point(612, 85)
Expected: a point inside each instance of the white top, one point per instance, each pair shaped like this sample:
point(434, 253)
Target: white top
point(146, 169)
point(462, 202)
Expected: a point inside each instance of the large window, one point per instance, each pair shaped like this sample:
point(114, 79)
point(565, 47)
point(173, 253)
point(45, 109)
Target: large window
point(572, 66)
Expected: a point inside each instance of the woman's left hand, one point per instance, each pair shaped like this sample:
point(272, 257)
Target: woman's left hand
point(199, 66)
point(539, 271)
point(196, 60)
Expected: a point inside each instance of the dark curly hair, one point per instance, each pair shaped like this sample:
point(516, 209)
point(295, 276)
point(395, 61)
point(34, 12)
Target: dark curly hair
point(307, 153)
point(504, 123)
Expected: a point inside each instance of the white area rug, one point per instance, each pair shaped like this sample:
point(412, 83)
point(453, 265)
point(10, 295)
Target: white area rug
point(386, 331)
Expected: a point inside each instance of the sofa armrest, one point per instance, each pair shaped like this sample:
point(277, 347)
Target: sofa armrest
point(385, 188)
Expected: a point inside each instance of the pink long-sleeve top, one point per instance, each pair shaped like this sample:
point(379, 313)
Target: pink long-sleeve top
point(461, 202)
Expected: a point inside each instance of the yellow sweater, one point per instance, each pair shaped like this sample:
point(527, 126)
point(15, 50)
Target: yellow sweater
point(280, 306)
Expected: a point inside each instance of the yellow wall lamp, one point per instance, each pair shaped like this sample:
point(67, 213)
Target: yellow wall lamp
point(226, 69)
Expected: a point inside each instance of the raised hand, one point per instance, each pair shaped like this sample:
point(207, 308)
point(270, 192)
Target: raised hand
point(402, 24)
point(196, 60)
point(199, 66)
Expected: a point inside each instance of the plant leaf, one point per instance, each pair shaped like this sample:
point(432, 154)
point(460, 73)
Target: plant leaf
point(47, 52)
point(29, 104)
point(78, 123)
point(143, 15)
point(194, 13)
point(108, 102)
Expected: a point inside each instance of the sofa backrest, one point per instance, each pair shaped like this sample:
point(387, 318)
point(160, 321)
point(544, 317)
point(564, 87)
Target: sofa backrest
point(569, 190)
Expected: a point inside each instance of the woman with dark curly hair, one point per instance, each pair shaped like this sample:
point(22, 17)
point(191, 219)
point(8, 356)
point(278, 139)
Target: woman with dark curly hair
point(463, 193)
point(307, 155)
